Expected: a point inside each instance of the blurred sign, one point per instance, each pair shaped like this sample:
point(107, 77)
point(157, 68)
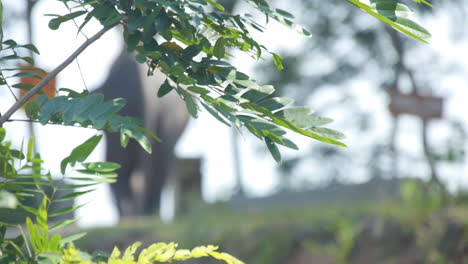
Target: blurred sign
point(426, 107)
point(48, 90)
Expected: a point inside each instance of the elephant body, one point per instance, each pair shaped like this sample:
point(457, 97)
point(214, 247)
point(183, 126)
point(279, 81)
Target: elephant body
point(167, 117)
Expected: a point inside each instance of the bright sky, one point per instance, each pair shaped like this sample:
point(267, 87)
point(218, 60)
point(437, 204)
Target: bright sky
point(212, 144)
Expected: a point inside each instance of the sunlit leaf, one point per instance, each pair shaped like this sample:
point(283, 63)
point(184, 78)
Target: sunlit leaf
point(81, 152)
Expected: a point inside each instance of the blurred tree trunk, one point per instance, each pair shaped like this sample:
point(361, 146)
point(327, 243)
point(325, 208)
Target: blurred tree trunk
point(30, 39)
point(398, 45)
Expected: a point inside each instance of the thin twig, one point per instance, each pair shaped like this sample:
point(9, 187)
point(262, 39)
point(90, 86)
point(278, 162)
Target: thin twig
point(81, 75)
point(9, 87)
point(52, 74)
point(74, 21)
point(86, 37)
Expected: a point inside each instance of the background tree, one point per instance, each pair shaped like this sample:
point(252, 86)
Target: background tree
point(346, 55)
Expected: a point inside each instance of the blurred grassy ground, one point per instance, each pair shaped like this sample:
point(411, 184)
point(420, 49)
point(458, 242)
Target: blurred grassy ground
point(416, 228)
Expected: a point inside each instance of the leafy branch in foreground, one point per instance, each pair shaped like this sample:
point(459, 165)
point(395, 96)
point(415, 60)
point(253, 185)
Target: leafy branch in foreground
point(89, 111)
point(23, 180)
point(34, 90)
point(192, 51)
point(396, 15)
point(155, 253)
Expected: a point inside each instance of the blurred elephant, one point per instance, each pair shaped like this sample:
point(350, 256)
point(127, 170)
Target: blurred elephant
point(167, 117)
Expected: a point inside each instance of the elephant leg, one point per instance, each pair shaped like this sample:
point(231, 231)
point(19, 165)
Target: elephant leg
point(127, 158)
point(158, 166)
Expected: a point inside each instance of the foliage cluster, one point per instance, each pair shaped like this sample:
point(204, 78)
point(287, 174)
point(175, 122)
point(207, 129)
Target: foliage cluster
point(189, 41)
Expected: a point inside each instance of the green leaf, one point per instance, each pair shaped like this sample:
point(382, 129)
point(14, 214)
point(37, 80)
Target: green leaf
point(72, 195)
point(10, 42)
point(130, 252)
point(28, 209)
point(284, 13)
point(391, 9)
point(165, 88)
point(424, 2)
point(412, 27)
point(162, 21)
point(115, 254)
point(214, 113)
point(148, 133)
point(327, 132)
point(72, 238)
point(191, 51)
point(27, 74)
point(2, 133)
point(139, 137)
point(189, 102)
point(219, 48)
point(80, 153)
point(203, 251)
point(30, 152)
point(62, 224)
point(32, 48)
point(101, 166)
point(288, 124)
point(307, 133)
point(23, 86)
point(288, 143)
point(9, 57)
point(74, 94)
point(225, 257)
point(55, 243)
point(28, 60)
point(55, 23)
point(41, 217)
point(85, 21)
point(34, 236)
point(215, 4)
point(167, 254)
point(32, 110)
point(198, 90)
point(303, 31)
point(315, 121)
point(273, 149)
point(114, 18)
point(124, 140)
point(240, 79)
point(278, 60)
point(182, 254)
point(77, 186)
point(258, 94)
point(65, 210)
point(298, 115)
point(258, 123)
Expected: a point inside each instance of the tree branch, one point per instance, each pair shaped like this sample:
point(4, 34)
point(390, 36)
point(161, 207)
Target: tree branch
point(52, 74)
